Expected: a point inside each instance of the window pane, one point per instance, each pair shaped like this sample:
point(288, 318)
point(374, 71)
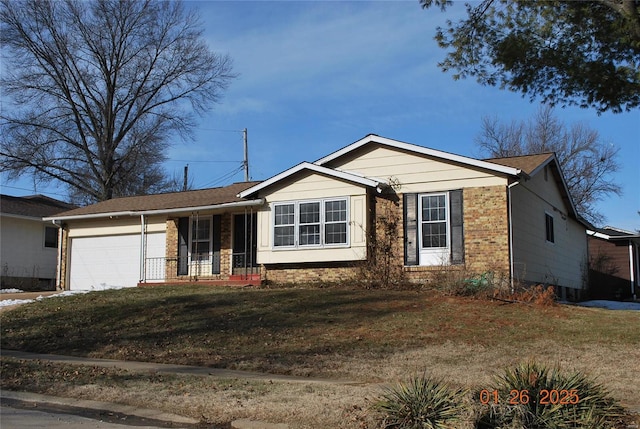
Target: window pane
point(201, 229)
point(434, 235)
point(285, 214)
point(335, 211)
point(310, 213)
point(50, 236)
point(335, 233)
point(283, 236)
point(549, 228)
point(309, 234)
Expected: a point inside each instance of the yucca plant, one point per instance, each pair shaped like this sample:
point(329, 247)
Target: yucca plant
point(421, 403)
point(553, 400)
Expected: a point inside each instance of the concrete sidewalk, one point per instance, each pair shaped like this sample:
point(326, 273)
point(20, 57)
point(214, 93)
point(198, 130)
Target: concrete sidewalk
point(153, 416)
point(170, 368)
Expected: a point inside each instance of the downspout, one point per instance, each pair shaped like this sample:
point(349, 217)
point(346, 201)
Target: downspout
point(59, 265)
point(511, 262)
point(632, 276)
point(142, 251)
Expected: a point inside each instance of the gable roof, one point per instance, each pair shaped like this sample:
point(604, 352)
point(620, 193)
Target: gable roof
point(375, 139)
point(530, 164)
point(306, 166)
point(533, 164)
point(32, 206)
point(162, 203)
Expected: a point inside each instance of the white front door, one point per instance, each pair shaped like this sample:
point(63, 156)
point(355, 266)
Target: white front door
point(433, 221)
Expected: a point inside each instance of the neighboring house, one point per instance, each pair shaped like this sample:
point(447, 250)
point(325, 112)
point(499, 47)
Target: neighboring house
point(28, 244)
point(322, 221)
point(614, 263)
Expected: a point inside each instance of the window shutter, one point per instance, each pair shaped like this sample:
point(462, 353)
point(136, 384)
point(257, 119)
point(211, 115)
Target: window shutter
point(410, 215)
point(457, 230)
point(183, 246)
point(215, 263)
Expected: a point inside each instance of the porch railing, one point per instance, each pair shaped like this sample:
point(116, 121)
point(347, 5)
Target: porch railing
point(241, 263)
point(166, 269)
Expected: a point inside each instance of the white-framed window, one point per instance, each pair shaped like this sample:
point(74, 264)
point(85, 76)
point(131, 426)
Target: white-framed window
point(335, 222)
point(201, 239)
point(284, 231)
point(310, 223)
point(549, 229)
point(433, 217)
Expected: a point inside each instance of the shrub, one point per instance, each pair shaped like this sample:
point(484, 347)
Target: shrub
point(573, 401)
point(421, 403)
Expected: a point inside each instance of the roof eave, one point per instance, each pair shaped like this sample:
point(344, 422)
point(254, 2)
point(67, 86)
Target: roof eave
point(365, 181)
point(372, 138)
point(234, 204)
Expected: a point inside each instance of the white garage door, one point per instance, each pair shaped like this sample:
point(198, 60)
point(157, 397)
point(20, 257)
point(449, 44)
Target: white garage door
point(109, 261)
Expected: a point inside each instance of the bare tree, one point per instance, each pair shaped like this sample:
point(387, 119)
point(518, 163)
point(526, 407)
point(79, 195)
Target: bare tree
point(100, 90)
point(587, 161)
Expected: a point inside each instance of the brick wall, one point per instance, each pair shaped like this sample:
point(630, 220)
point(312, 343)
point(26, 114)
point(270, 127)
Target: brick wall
point(486, 243)
point(64, 259)
point(486, 229)
point(226, 252)
point(309, 273)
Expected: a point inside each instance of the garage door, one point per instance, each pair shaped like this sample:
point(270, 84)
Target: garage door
point(109, 261)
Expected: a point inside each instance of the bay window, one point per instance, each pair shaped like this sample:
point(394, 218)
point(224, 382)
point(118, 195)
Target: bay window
point(310, 223)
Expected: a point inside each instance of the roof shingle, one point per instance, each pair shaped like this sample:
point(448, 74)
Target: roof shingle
point(526, 163)
point(32, 206)
point(172, 200)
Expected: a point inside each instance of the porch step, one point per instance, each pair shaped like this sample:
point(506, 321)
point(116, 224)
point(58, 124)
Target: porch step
point(234, 280)
point(244, 277)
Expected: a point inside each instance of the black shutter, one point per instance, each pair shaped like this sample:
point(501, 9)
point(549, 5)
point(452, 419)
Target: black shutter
point(457, 230)
point(215, 265)
point(410, 216)
point(183, 246)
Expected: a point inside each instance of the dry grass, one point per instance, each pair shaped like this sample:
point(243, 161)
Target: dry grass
point(367, 336)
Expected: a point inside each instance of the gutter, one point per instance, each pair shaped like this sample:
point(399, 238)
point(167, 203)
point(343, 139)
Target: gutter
point(511, 261)
point(256, 202)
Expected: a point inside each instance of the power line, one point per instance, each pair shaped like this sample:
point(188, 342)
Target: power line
point(32, 190)
point(199, 160)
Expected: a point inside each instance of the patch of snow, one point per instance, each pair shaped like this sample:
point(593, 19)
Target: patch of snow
point(11, 291)
point(610, 305)
point(8, 302)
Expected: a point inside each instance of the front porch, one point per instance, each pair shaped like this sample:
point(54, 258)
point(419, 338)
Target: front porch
point(215, 249)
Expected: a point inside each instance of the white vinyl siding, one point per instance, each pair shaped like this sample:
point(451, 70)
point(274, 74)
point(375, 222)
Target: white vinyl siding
point(414, 172)
point(536, 258)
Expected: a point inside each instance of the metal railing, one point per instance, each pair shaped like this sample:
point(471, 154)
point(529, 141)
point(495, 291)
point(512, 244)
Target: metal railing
point(166, 269)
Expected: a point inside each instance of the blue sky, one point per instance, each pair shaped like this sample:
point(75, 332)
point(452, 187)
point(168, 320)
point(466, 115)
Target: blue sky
point(317, 76)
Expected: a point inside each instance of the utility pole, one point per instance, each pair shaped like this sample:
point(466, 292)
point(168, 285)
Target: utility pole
point(186, 176)
point(245, 163)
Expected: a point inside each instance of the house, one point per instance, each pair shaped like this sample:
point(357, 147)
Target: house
point(326, 220)
point(28, 244)
point(614, 263)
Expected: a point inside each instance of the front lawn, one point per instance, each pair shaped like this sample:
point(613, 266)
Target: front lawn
point(369, 336)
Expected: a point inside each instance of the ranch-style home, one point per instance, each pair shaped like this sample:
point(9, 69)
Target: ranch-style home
point(28, 245)
point(375, 201)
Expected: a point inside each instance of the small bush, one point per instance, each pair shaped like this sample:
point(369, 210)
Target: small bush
point(421, 403)
point(538, 295)
point(586, 405)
